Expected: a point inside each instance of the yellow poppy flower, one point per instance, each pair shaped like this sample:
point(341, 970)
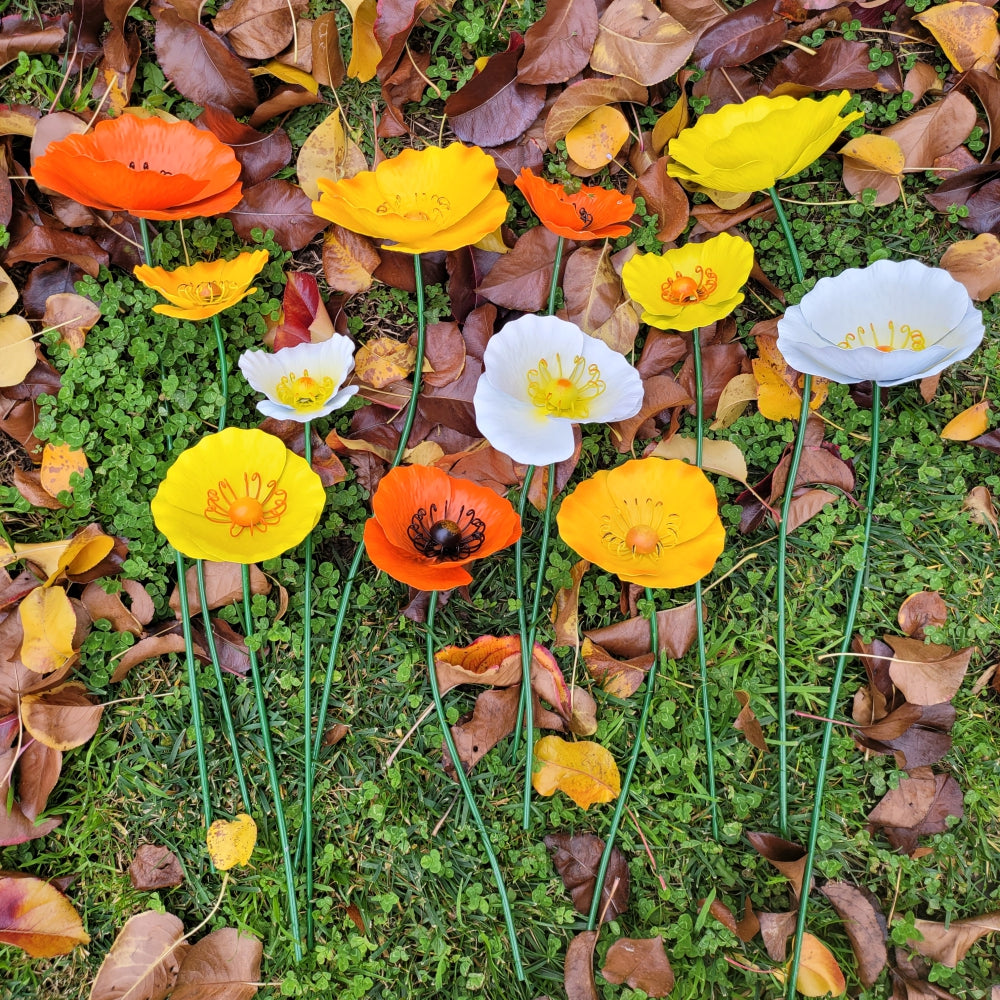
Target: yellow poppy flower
point(238, 496)
point(428, 199)
point(202, 290)
point(751, 146)
point(692, 286)
point(651, 521)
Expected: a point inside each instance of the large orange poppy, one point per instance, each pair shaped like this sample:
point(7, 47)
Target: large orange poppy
point(593, 213)
point(428, 526)
point(148, 167)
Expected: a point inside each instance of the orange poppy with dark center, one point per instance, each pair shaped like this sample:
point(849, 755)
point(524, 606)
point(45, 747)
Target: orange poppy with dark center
point(592, 213)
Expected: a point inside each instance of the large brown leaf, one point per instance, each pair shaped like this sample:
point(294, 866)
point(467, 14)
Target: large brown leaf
point(258, 29)
point(676, 629)
point(591, 289)
point(664, 196)
point(660, 392)
point(948, 943)
point(15, 826)
point(143, 961)
point(520, 279)
point(927, 673)
point(919, 806)
point(934, 131)
point(741, 36)
point(837, 64)
point(61, 717)
point(578, 967)
point(494, 106)
point(223, 965)
point(579, 99)
point(636, 40)
point(32, 35)
point(260, 155)
point(200, 66)
point(865, 926)
point(576, 857)
point(557, 46)
point(278, 205)
point(640, 962)
point(493, 718)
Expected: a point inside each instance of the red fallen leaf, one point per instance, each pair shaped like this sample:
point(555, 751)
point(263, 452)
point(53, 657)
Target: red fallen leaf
point(304, 318)
point(576, 857)
point(17, 826)
point(37, 918)
point(489, 660)
point(987, 89)
point(520, 279)
point(467, 267)
point(740, 37)
point(720, 364)
point(200, 66)
point(33, 35)
point(978, 188)
point(444, 360)
point(494, 106)
point(260, 155)
point(280, 206)
point(558, 45)
point(591, 289)
point(405, 86)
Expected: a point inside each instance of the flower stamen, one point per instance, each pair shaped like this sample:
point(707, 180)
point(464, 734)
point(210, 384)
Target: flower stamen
point(565, 395)
point(248, 509)
point(446, 538)
point(639, 528)
point(910, 339)
point(682, 290)
point(303, 392)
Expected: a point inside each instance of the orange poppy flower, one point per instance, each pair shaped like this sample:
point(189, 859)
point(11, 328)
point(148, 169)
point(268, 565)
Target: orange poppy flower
point(148, 167)
point(593, 213)
point(428, 526)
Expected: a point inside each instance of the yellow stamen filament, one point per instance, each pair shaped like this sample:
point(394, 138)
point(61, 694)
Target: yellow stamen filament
point(255, 507)
point(639, 527)
point(421, 206)
point(905, 338)
point(303, 392)
point(208, 293)
point(565, 395)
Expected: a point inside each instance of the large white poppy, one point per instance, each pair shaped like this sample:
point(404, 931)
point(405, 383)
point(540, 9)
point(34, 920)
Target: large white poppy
point(541, 376)
point(302, 382)
point(892, 322)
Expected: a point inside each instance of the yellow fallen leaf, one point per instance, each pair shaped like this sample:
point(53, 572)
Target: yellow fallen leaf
point(8, 292)
point(585, 771)
point(17, 350)
point(778, 394)
point(966, 31)
point(819, 974)
point(383, 361)
point(365, 51)
point(878, 152)
point(594, 141)
point(969, 424)
point(670, 124)
point(328, 152)
point(59, 462)
point(289, 74)
point(231, 842)
point(722, 457)
point(49, 622)
point(740, 390)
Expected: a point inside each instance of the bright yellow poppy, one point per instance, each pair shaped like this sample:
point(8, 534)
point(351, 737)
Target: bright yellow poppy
point(428, 199)
point(751, 146)
point(202, 290)
point(238, 496)
point(651, 521)
point(691, 286)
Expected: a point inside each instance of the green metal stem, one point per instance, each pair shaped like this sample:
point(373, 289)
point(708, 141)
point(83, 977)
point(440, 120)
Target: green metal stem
point(223, 370)
point(411, 410)
point(272, 770)
point(525, 706)
point(609, 843)
point(467, 792)
point(786, 506)
point(706, 714)
point(310, 777)
point(838, 674)
point(554, 284)
point(227, 715)
point(147, 246)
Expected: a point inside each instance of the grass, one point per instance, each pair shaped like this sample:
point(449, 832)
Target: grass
point(406, 905)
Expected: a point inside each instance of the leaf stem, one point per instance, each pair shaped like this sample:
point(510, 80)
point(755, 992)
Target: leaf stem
point(310, 778)
point(272, 770)
point(609, 843)
point(223, 370)
point(554, 284)
point(525, 706)
point(786, 506)
point(706, 713)
point(227, 715)
point(463, 781)
point(824, 753)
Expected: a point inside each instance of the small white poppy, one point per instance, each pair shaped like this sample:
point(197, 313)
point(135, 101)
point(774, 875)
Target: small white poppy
point(892, 322)
point(302, 382)
point(542, 375)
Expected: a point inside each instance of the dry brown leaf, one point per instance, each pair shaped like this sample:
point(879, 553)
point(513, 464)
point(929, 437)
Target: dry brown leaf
point(747, 722)
point(979, 503)
point(976, 264)
point(865, 925)
point(576, 857)
point(788, 858)
point(923, 608)
point(638, 41)
point(493, 718)
point(61, 717)
point(935, 130)
point(927, 673)
point(579, 967)
point(640, 962)
point(144, 960)
point(155, 867)
point(223, 585)
point(948, 944)
point(565, 609)
point(223, 965)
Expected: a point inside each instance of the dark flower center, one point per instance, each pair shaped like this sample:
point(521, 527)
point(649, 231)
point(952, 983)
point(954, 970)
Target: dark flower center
point(446, 538)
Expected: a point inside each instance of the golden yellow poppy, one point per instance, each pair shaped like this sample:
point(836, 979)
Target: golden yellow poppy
point(202, 290)
point(650, 521)
point(238, 496)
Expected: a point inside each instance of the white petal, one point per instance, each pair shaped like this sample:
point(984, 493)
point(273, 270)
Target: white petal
point(623, 396)
point(519, 429)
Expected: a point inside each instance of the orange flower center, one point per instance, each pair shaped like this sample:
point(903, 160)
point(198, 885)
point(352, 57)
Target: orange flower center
point(446, 538)
point(682, 290)
point(303, 392)
point(905, 338)
point(639, 528)
point(421, 206)
point(208, 293)
point(562, 394)
point(254, 507)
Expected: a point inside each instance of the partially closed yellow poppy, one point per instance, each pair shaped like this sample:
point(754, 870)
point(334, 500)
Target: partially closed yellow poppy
point(751, 146)
point(650, 521)
point(428, 199)
point(238, 496)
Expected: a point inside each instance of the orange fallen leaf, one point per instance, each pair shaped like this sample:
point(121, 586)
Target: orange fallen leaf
point(59, 462)
point(970, 423)
point(594, 141)
point(37, 917)
point(976, 264)
point(819, 974)
point(49, 623)
point(585, 771)
point(966, 31)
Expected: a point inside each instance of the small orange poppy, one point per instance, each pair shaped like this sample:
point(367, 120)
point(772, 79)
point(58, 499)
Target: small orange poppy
point(146, 166)
point(593, 213)
point(428, 526)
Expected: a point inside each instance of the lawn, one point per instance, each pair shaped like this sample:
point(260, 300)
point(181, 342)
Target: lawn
point(405, 902)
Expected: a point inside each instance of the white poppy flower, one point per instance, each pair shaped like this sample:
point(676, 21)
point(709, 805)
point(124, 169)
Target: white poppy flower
point(302, 382)
point(541, 376)
point(892, 322)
